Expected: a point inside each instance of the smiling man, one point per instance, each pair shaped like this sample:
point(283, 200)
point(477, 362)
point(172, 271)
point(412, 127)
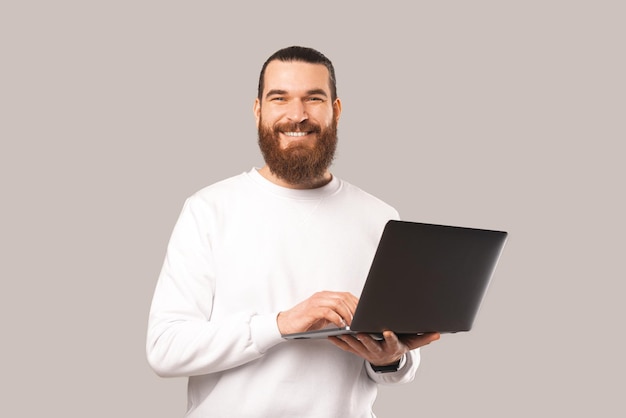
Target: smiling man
point(277, 250)
point(297, 123)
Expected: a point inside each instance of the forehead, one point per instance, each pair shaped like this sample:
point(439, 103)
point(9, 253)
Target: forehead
point(296, 77)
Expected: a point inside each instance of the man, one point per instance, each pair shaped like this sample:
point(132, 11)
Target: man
point(274, 251)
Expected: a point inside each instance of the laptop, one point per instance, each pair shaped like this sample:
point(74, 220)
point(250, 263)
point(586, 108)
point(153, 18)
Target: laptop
point(423, 278)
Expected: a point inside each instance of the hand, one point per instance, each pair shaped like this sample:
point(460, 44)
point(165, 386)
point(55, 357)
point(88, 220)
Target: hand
point(384, 352)
point(318, 311)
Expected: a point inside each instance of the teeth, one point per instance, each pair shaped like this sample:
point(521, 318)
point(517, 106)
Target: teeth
point(296, 133)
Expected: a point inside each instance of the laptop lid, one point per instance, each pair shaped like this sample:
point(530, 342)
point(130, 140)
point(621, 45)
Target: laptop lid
point(424, 278)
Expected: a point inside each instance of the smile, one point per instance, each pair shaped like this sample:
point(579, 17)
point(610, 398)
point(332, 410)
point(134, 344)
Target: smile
point(296, 134)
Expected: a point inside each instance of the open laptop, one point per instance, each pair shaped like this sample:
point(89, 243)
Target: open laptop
point(424, 278)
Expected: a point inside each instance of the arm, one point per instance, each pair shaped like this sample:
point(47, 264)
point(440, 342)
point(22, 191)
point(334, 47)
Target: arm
point(183, 339)
point(405, 374)
point(387, 351)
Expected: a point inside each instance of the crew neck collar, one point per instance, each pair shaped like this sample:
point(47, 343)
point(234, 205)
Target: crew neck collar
point(317, 193)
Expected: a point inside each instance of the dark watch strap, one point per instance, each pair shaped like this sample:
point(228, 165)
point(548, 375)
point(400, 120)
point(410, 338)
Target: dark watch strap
point(389, 368)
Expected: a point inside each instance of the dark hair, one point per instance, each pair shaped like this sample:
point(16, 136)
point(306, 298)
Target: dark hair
point(303, 54)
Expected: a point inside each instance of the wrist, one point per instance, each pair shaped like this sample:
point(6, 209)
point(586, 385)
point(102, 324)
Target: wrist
point(390, 368)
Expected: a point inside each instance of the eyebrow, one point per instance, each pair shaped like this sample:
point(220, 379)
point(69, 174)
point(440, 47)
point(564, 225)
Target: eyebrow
point(312, 92)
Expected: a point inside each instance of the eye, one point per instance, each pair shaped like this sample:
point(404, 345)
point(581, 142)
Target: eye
point(315, 99)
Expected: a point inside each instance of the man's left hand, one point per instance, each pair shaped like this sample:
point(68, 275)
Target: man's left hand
point(382, 352)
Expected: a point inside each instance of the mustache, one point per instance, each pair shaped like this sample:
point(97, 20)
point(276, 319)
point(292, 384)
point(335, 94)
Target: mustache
point(304, 126)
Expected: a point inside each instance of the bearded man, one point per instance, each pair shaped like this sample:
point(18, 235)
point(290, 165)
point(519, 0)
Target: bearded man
point(277, 250)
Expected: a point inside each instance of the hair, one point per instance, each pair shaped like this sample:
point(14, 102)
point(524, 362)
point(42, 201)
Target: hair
point(302, 54)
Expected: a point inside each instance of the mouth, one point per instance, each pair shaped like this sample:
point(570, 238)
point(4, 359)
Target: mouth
point(296, 134)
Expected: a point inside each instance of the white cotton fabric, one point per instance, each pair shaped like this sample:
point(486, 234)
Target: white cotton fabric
point(243, 250)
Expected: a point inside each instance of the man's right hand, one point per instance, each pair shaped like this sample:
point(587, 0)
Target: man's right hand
point(318, 311)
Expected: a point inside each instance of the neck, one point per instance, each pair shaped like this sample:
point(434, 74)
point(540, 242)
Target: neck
point(308, 184)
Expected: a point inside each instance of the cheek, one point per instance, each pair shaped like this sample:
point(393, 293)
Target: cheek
point(326, 118)
point(268, 118)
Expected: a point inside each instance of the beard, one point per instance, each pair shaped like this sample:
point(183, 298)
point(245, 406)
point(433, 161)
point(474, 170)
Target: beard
point(298, 163)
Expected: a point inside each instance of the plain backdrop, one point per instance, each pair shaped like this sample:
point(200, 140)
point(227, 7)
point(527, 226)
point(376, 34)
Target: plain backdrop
point(495, 114)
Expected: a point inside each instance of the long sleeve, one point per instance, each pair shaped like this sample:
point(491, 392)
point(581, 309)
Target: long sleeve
point(183, 340)
point(406, 374)
point(241, 251)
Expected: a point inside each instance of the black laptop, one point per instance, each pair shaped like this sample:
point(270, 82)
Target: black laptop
point(424, 278)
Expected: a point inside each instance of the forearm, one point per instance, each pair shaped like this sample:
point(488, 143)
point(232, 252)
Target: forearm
point(185, 337)
point(188, 347)
point(405, 374)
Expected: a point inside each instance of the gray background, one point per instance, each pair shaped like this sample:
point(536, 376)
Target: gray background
point(497, 114)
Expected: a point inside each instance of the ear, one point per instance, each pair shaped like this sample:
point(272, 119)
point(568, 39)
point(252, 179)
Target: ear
point(337, 108)
point(257, 111)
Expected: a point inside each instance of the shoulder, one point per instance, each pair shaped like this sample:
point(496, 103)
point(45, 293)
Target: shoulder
point(215, 198)
point(220, 189)
point(366, 200)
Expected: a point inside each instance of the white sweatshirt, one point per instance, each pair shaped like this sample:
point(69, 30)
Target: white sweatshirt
point(243, 250)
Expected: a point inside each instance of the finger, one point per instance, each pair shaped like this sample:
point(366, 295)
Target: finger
point(351, 343)
point(391, 338)
point(346, 309)
point(331, 315)
point(370, 343)
point(416, 341)
point(372, 350)
point(343, 304)
point(340, 342)
point(352, 301)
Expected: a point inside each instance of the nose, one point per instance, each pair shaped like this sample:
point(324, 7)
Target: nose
point(297, 111)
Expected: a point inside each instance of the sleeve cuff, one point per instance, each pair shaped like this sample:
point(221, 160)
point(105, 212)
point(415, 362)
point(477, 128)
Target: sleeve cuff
point(264, 331)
